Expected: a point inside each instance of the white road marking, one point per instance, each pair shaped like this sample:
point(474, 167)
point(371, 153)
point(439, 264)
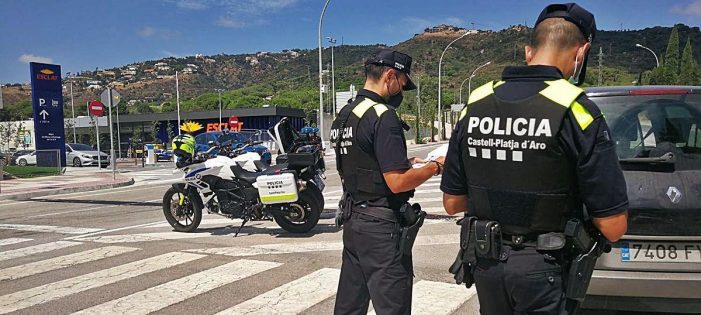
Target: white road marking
point(52, 291)
point(161, 296)
point(438, 297)
point(293, 297)
point(114, 230)
point(142, 237)
point(10, 241)
point(304, 247)
point(48, 228)
point(36, 249)
point(55, 263)
point(91, 208)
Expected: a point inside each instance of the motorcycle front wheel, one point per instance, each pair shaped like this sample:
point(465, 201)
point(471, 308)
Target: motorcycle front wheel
point(183, 218)
point(300, 216)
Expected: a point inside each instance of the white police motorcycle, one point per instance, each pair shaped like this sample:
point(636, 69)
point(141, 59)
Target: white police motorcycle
point(288, 192)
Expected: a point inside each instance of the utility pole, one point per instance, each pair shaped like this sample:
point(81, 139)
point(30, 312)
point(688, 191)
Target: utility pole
point(332, 41)
point(418, 108)
point(601, 61)
point(177, 99)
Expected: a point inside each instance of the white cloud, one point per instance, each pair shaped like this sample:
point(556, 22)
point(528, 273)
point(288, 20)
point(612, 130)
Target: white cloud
point(237, 13)
point(149, 31)
point(229, 22)
point(27, 58)
point(190, 4)
point(692, 9)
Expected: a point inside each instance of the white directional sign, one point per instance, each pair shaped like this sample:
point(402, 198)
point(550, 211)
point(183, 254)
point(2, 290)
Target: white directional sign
point(104, 97)
point(43, 114)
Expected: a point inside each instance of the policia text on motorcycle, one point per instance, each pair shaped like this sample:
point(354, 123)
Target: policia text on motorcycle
point(529, 153)
point(379, 226)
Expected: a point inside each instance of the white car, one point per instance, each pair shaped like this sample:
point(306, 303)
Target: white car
point(78, 155)
point(27, 159)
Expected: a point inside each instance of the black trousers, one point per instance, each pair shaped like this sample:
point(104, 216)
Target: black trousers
point(373, 269)
point(528, 282)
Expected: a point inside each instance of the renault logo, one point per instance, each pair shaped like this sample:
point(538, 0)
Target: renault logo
point(674, 194)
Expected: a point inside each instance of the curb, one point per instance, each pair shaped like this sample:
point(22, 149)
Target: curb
point(67, 190)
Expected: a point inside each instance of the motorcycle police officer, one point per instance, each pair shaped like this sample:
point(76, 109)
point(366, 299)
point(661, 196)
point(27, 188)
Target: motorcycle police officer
point(378, 180)
point(528, 153)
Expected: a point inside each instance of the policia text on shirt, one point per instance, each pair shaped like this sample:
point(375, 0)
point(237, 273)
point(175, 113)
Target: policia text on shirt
point(529, 152)
point(379, 226)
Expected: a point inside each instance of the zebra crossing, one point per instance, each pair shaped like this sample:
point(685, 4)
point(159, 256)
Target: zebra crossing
point(306, 289)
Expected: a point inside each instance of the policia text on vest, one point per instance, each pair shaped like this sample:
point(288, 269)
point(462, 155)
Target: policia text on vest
point(528, 153)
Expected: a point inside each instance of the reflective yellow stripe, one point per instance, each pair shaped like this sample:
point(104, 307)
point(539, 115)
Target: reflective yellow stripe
point(380, 109)
point(561, 92)
point(584, 118)
point(284, 198)
point(463, 112)
point(481, 92)
point(182, 200)
point(498, 84)
point(363, 107)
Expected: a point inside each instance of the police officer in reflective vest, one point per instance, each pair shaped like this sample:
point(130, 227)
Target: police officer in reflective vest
point(531, 155)
point(378, 179)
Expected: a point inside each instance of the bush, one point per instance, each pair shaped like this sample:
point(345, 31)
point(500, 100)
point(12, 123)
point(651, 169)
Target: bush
point(30, 171)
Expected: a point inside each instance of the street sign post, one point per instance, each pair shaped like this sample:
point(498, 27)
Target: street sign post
point(96, 108)
point(107, 96)
point(234, 123)
point(47, 106)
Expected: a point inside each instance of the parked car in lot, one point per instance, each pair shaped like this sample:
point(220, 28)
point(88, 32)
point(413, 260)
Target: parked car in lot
point(27, 159)
point(78, 155)
point(656, 266)
point(13, 158)
point(163, 155)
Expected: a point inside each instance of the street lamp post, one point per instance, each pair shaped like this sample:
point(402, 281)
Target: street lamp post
point(321, 93)
point(461, 84)
point(469, 81)
point(441, 129)
point(333, 79)
point(650, 50)
point(219, 91)
point(72, 110)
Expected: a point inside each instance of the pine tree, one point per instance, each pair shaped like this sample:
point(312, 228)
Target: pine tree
point(671, 57)
point(689, 73)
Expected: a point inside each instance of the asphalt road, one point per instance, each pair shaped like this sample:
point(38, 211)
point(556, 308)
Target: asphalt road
point(113, 252)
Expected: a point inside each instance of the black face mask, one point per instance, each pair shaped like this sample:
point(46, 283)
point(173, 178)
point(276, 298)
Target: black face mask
point(396, 100)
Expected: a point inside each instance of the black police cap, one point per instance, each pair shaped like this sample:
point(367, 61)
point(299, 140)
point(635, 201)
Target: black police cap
point(396, 60)
point(573, 13)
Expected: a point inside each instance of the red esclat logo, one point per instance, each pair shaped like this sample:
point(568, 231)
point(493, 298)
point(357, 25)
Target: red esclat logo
point(47, 74)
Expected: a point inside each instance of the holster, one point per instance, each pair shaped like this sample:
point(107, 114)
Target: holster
point(587, 250)
point(488, 239)
point(464, 265)
point(343, 212)
point(411, 218)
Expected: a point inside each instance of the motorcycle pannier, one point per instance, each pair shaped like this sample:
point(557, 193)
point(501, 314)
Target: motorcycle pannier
point(280, 188)
point(303, 159)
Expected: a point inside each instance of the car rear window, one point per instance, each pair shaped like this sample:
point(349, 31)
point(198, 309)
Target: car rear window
point(649, 126)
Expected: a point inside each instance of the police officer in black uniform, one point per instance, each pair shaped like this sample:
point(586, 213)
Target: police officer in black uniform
point(529, 152)
point(378, 180)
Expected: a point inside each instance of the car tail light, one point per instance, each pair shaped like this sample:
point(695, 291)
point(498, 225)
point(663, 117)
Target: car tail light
point(660, 92)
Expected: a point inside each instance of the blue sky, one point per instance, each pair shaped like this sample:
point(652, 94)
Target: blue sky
point(83, 35)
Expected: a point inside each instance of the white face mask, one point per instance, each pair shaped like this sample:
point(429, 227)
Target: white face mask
point(574, 79)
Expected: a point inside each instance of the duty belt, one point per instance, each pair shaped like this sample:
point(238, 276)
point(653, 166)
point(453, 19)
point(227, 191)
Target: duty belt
point(376, 212)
